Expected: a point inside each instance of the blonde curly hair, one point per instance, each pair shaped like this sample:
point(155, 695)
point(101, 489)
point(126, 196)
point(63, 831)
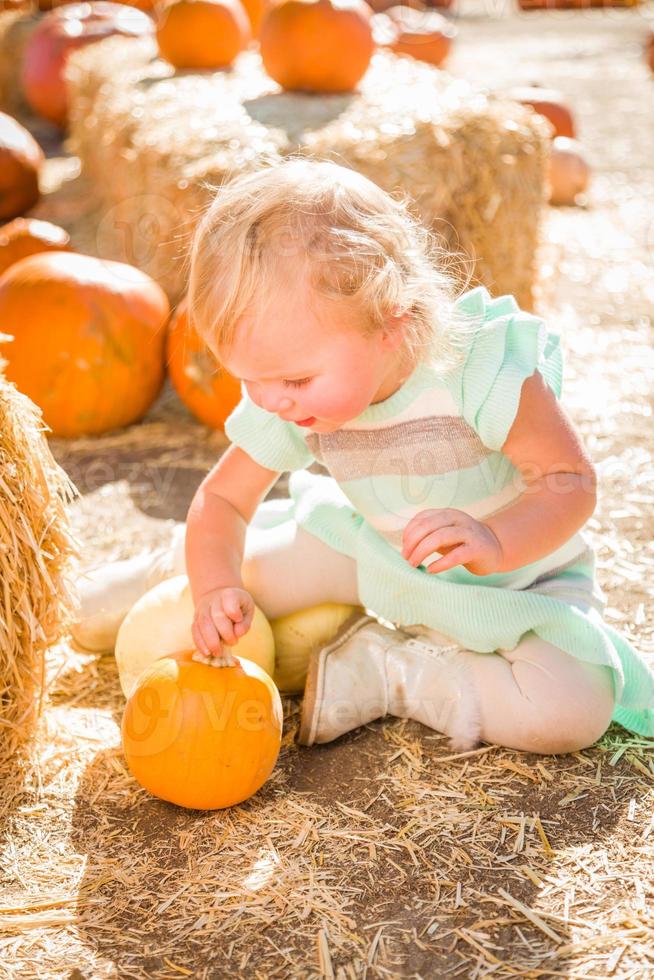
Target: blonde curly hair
point(326, 222)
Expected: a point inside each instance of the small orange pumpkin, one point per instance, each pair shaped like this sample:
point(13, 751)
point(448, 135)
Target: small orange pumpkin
point(21, 159)
point(422, 34)
point(202, 33)
point(88, 343)
point(64, 30)
point(202, 736)
point(206, 389)
point(569, 173)
point(317, 45)
point(27, 236)
point(549, 103)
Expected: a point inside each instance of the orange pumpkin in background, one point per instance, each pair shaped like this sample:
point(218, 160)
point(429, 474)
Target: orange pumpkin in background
point(64, 30)
point(27, 236)
point(206, 389)
point(381, 5)
point(202, 33)
point(21, 159)
point(549, 103)
point(422, 34)
point(568, 171)
point(52, 4)
point(42, 5)
point(317, 45)
point(649, 51)
point(88, 343)
point(202, 736)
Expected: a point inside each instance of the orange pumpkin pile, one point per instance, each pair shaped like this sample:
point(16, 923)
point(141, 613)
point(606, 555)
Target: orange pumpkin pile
point(64, 30)
point(21, 159)
point(207, 390)
point(317, 45)
point(27, 236)
point(202, 736)
point(88, 343)
point(202, 33)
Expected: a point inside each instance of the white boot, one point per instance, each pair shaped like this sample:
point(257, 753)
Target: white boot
point(107, 593)
point(368, 671)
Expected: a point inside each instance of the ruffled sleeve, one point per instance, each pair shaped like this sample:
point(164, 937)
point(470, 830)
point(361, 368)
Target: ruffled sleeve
point(507, 348)
point(270, 441)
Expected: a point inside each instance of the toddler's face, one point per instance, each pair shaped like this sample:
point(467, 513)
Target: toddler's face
point(307, 361)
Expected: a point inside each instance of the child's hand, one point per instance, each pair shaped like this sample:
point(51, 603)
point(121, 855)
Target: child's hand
point(459, 537)
point(222, 617)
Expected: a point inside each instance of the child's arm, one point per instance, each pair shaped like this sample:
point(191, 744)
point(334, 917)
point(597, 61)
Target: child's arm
point(561, 491)
point(559, 497)
point(220, 511)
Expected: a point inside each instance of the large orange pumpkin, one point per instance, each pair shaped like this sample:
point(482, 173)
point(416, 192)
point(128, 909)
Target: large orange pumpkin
point(549, 103)
point(203, 385)
point(21, 159)
point(317, 45)
point(27, 236)
point(202, 736)
point(202, 33)
point(88, 339)
point(64, 30)
point(422, 34)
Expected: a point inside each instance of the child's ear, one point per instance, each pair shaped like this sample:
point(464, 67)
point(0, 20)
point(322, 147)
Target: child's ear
point(394, 330)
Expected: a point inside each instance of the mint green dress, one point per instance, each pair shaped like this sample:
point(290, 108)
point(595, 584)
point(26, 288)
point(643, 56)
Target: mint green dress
point(436, 442)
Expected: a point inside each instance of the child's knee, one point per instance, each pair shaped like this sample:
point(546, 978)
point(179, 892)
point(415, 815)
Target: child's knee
point(575, 720)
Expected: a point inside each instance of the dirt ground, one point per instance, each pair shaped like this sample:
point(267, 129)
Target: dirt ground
point(380, 855)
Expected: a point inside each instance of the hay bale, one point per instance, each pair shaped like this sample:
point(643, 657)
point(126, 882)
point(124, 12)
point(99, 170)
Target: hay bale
point(35, 548)
point(153, 139)
point(16, 28)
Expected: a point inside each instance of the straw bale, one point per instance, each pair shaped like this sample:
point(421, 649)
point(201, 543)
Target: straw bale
point(35, 548)
point(15, 30)
point(473, 167)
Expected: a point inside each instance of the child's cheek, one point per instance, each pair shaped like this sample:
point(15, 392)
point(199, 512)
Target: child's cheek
point(335, 401)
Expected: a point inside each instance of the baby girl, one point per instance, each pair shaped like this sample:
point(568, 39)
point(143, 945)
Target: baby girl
point(457, 487)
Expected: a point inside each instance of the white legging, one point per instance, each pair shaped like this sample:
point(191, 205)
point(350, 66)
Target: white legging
point(535, 698)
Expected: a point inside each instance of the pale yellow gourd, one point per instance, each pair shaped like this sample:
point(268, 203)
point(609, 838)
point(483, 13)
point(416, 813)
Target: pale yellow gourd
point(298, 634)
point(159, 624)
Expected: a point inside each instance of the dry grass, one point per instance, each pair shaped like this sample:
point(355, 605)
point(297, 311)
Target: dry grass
point(381, 855)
